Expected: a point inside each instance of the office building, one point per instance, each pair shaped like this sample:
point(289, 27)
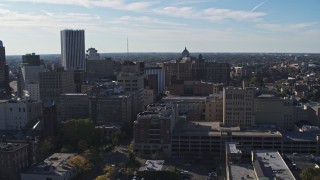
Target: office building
point(4, 81)
point(193, 107)
point(31, 59)
point(148, 97)
point(31, 68)
point(132, 67)
point(99, 69)
point(16, 114)
point(195, 88)
point(134, 84)
point(73, 106)
point(274, 110)
point(214, 109)
point(188, 68)
point(54, 83)
point(73, 49)
point(159, 80)
point(92, 54)
point(153, 128)
point(238, 108)
point(55, 167)
point(109, 104)
point(14, 159)
point(33, 90)
point(217, 72)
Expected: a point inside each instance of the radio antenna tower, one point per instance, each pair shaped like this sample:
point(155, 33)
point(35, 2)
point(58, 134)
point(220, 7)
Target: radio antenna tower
point(127, 47)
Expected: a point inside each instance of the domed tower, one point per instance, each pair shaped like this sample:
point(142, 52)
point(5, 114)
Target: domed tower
point(185, 53)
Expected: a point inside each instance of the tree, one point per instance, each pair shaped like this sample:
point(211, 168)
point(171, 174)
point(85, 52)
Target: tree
point(310, 174)
point(102, 177)
point(79, 134)
point(109, 171)
point(80, 163)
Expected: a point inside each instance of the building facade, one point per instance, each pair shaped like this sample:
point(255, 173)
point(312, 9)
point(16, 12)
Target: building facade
point(238, 107)
point(54, 83)
point(73, 49)
point(13, 159)
point(99, 69)
point(3, 68)
point(273, 110)
point(153, 129)
point(33, 91)
point(73, 106)
point(160, 73)
point(214, 109)
point(16, 114)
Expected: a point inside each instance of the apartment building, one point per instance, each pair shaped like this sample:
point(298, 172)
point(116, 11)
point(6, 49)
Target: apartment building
point(153, 129)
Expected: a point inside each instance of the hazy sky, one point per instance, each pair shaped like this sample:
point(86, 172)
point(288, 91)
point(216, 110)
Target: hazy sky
point(163, 26)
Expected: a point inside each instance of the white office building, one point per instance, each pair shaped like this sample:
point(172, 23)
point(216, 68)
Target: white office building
point(73, 49)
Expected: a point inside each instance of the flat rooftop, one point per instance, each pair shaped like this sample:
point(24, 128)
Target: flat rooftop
point(184, 98)
point(11, 147)
point(273, 159)
point(300, 136)
point(152, 165)
point(232, 148)
point(55, 165)
point(213, 129)
point(241, 171)
point(74, 94)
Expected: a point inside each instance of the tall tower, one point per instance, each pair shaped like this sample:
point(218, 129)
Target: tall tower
point(73, 49)
point(2, 66)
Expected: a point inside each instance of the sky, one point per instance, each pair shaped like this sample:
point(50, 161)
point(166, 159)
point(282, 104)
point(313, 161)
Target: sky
point(291, 26)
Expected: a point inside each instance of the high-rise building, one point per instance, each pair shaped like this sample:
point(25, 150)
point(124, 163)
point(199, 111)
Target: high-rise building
point(2, 66)
point(135, 84)
point(92, 54)
point(108, 104)
point(31, 68)
point(238, 108)
point(54, 83)
point(99, 69)
point(73, 49)
point(160, 74)
point(31, 59)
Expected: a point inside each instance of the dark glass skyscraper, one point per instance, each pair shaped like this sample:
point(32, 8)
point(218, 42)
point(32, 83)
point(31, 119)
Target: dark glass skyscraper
point(3, 71)
point(73, 49)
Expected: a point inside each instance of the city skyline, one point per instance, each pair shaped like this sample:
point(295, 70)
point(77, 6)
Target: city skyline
point(162, 26)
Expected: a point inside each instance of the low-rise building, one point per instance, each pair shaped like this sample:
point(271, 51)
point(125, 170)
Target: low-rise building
point(13, 159)
point(55, 167)
point(269, 164)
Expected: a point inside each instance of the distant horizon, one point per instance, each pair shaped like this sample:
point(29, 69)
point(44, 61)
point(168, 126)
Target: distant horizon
point(226, 26)
point(191, 53)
